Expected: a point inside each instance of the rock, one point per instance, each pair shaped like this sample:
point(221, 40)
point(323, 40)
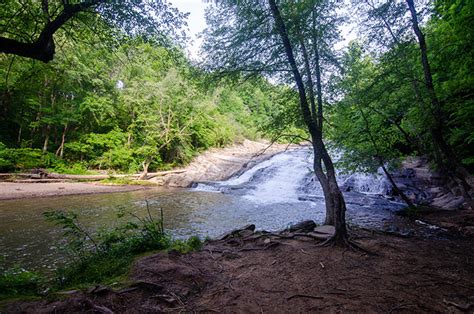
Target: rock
point(250, 227)
point(220, 164)
point(391, 229)
point(435, 190)
point(322, 236)
point(304, 226)
point(448, 201)
point(325, 230)
point(447, 225)
point(408, 173)
point(245, 231)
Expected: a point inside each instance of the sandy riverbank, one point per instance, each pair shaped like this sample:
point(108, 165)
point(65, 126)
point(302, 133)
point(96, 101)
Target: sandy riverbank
point(11, 190)
point(214, 164)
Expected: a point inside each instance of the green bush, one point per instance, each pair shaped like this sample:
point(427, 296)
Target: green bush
point(16, 281)
point(108, 254)
point(16, 159)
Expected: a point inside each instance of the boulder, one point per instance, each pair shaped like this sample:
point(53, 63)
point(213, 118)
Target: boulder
point(325, 229)
point(304, 226)
point(245, 231)
point(323, 232)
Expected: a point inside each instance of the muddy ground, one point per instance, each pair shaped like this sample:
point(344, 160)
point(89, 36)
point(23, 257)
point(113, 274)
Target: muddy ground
point(256, 272)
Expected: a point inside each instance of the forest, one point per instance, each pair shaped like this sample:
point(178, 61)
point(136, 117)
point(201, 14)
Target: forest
point(103, 87)
point(126, 108)
point(121, 103)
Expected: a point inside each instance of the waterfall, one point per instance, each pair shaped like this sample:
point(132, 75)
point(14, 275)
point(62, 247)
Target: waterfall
point(288, 177)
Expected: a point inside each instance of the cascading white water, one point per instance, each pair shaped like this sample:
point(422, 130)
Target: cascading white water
point(286, 171)
point(287, 177)
point(366, 183)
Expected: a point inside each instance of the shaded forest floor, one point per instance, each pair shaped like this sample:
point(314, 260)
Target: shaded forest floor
point(257, 272)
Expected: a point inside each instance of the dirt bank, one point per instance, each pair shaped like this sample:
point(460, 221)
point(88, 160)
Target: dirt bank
point(11, 190)
point(265, 273)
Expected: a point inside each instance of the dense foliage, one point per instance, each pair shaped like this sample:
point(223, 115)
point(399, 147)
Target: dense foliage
point(135, 106)
point(384, 112)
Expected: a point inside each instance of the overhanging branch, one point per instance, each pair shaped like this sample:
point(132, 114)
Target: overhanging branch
point(43, 48)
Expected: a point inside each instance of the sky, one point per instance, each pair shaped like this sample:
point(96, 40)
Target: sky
point(196, 22)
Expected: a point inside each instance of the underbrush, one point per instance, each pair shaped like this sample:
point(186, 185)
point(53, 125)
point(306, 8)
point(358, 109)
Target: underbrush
point(125, 181)
point(78, 168)
point(101, 258)
point(16, 281)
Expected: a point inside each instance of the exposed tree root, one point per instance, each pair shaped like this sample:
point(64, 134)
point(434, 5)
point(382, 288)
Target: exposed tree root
point(305, 296)
point(345, 243)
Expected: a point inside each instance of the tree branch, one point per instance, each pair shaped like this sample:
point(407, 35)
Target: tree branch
point(43, 48)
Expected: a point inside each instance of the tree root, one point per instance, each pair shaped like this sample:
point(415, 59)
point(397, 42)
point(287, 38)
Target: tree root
point(304, 296)
point(345, 242)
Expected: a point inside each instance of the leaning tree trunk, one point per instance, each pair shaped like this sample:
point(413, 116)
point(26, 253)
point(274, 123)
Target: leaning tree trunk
point(146, 165)
point(315, 113)
point(332, 193)
point(60, 150)
point(447, 159)
point(337, 199)
point(382, 162)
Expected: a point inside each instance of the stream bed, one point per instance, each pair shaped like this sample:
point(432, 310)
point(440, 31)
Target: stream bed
point(272, 195)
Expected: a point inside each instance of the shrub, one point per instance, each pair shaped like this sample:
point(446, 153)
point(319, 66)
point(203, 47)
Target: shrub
point(15, 159)
point(16, 281)
point(109, 253)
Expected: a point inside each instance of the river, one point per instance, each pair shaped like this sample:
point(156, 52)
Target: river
point(272, 195)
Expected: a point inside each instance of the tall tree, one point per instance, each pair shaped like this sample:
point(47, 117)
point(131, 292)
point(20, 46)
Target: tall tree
point(388, 24)
point(332, 194)
point(250, 36)
point(446, 158)
point(27, 28)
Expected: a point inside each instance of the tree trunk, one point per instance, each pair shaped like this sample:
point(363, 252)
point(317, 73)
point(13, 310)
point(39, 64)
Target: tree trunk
point(19, 136)
point(43, 48)
point(317, 66)
point(323, 180)
point(395, 187)
point(46, 139)
point(144, 174)
point(447, 160)
point(332, 193)
point(339, 204)
point(318, 170)
point(60, 150)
